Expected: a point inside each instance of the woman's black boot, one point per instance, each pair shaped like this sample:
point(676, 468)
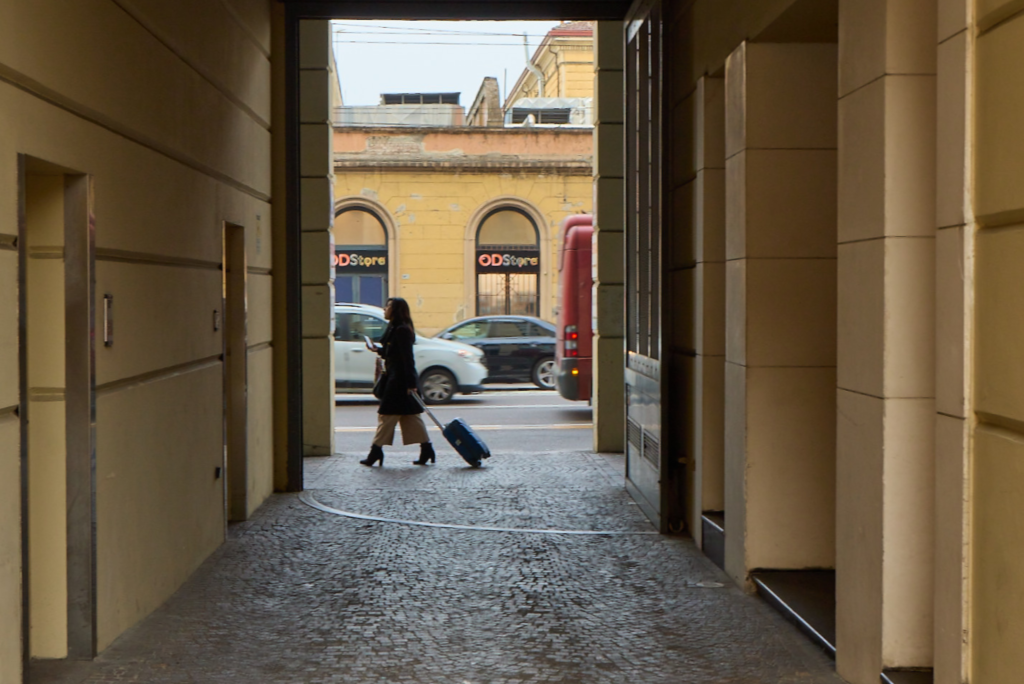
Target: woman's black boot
point(426, 454)
point(376, 454)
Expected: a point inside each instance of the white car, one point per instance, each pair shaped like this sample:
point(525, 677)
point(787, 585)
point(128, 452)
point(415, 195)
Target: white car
point(445, 367)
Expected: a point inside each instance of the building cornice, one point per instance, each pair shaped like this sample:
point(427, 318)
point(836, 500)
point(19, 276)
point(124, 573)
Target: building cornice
point(567, 167)
point(465, 130)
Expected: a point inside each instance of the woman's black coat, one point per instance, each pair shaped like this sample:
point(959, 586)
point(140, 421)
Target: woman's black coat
point(399, 364)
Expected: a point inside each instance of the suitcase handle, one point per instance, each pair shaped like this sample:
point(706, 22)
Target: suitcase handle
point(429, 412)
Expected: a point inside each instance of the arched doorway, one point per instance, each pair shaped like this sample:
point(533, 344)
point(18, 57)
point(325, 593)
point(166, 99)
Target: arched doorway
point(507, 264)
point(360, 257)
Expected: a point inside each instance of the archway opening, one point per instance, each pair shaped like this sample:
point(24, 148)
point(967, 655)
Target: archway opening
point(507, 264)
point(361, 257)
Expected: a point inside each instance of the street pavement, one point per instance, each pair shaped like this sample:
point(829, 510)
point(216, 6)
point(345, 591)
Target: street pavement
point(508, 418)
point(397, 574)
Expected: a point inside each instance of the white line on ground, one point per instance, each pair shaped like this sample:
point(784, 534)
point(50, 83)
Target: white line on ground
point(360, 396)
point(574, 426)
point(307, 498)
point(459, 407)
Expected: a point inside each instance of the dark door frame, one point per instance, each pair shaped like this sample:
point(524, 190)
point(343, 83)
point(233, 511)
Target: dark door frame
point(298, 10)
point(234, 273)
point(79, 276)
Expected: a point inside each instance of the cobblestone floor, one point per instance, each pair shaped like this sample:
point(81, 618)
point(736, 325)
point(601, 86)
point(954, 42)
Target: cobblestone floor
point(299, 595)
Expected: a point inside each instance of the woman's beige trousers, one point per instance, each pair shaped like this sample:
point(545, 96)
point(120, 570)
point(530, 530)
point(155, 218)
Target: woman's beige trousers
point(414, 430)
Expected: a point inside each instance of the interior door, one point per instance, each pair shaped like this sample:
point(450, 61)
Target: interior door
point(652, 474)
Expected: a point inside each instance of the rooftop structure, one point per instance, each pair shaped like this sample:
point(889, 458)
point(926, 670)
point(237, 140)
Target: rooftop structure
point(561, 66)
point(419, 98)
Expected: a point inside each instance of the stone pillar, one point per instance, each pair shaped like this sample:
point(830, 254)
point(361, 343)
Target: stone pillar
point(997, 411)
point(780, 273)
point(886, 338)
point(709, 295)
point(609, 225)
point(316, 168)
point(954, 265)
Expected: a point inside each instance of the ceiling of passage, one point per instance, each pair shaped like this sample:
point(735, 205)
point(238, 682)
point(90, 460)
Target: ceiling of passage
point(460, 9)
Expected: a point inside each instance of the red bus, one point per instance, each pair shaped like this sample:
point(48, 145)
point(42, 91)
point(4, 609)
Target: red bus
point(575, 335)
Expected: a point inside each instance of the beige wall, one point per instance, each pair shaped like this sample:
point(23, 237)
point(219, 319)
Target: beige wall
point(698, 264)
point(906, 299)
point(10, 457)
point(780, 276)
point(954, 314)
point(886, 338)
point(996, 598)
point(703, 34)
point(10, 523)
point(44, 239)
point(173, 125)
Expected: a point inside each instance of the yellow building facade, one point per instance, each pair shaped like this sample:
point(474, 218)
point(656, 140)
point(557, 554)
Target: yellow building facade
point(562, 66)
point(431, 196)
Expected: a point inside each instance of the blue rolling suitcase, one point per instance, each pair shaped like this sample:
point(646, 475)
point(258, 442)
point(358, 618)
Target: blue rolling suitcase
point(461, 437)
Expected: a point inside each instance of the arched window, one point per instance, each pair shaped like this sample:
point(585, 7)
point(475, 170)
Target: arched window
point(360, 257)
point(507, 264)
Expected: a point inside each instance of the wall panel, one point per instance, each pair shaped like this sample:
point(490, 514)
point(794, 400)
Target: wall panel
point(10, 546)
point(137, 87)
point(260, 441)
point(160, 508)
point(163, 317)
point(166, 106)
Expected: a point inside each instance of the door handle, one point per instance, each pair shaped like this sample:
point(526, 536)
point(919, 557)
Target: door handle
point(357, 349)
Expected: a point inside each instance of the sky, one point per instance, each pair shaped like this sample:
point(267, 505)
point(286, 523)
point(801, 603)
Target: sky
point(377, 57)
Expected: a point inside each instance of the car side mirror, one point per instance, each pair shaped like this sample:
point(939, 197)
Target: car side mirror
point(447, 336)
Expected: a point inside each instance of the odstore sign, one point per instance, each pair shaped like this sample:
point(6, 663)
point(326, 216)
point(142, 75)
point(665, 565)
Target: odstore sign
point(518, 261)
point(360, 261)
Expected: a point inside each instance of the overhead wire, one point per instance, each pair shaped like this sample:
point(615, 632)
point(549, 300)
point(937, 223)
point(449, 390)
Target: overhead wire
point(412, 42)
point(445, 36)
point(436, 31)
point(342, 30)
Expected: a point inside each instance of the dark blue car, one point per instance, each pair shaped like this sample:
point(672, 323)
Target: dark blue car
point(516, 348)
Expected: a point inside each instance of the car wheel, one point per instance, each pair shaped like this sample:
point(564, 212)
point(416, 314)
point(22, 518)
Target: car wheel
point(437, 386)
point(544, 374)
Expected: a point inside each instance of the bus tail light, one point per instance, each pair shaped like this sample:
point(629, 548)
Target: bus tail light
point(571, 338)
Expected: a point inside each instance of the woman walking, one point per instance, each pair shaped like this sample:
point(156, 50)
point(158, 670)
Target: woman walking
point(398, 406)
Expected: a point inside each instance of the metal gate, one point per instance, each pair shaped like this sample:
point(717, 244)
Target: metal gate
point(506, 294)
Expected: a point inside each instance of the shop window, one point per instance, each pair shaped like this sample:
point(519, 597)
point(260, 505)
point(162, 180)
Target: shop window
point(507, 264)
point(360, 257)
